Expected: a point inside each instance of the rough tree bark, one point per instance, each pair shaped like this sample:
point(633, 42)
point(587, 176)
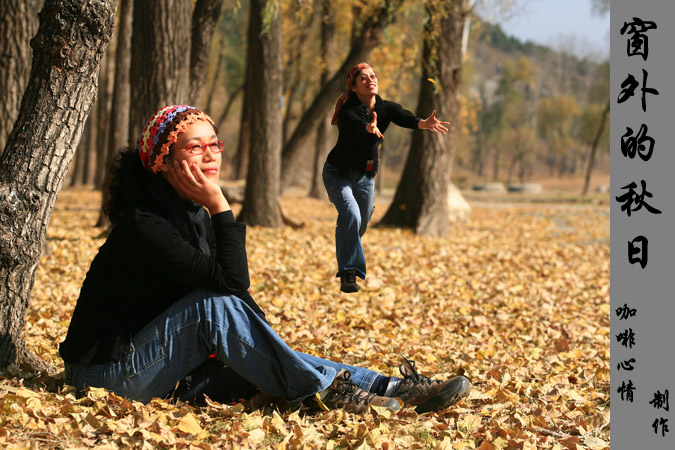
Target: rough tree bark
point(363, 42)
point(261, 198)
point(421, 199)
point(161, 72)
point(18, 24)
point(204, 20)
point(67, 52)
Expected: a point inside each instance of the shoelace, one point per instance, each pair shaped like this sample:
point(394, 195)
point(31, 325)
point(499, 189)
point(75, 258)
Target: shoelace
point(414, 377)
point(350, 390)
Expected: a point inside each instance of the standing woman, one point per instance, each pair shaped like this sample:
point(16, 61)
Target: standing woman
point(166, 297)
point(348, 174)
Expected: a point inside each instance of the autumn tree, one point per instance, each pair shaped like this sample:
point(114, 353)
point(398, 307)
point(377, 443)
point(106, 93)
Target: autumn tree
point(67, 52)
point(517, 111)
point(18, 24)
point(600, 131)
point(421, 199)
point(261, 198)
point(506, 121)
point(487, 120)
point(594, 130)
point(557, 117)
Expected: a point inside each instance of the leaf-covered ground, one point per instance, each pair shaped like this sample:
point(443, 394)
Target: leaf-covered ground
point(517, 298)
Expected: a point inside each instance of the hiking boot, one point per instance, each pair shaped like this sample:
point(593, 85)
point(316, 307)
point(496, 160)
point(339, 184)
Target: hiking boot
point(348, 281)
point(426, 394)
point(343, 393)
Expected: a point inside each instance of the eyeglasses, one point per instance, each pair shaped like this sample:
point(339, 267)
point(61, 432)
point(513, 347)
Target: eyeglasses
point(199, 149)
point(365, 77)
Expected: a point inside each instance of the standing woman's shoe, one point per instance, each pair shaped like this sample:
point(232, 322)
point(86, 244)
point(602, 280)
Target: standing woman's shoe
point(348, 281)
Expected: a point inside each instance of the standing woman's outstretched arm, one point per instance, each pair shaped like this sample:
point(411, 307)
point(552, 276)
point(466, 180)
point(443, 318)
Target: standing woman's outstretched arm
point(433, 124)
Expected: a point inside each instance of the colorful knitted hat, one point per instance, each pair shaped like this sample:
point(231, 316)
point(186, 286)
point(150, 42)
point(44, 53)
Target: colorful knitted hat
point(350, 79)
point(162, 131)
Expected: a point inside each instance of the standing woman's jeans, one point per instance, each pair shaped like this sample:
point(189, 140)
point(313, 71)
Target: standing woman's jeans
point(182, 338)
point(353, 197)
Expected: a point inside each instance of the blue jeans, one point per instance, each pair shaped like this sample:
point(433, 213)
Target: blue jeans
point(354, 199)
point(182, 338)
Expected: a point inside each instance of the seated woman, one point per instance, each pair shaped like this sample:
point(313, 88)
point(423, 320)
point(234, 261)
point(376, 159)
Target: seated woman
point(168, 290)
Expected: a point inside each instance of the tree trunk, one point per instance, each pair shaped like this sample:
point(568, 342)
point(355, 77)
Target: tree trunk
point(380, 179)
point(90, 151)
point(204, 20)
point(18, 24)
point(82, 152)
point(214, 80)
point(261, 198)
point(240, 160)
point(230, 100)
point(328, 12)
point(512, 167)
point(562, 168)
point(478, 153)
point(316, 189)
point(594, 150)
point(104, 110)
point(68, 48)
point(118, 137)
point(290, 100)
point(551, 162)
point(496, 162)
point(363, 42)
point(161, 72)
point(421, 199)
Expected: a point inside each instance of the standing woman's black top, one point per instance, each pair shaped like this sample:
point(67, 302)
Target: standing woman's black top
point(159, 251)
point(355, 146)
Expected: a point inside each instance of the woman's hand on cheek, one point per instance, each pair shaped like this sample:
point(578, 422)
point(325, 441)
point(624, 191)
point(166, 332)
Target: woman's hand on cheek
point(198, 188)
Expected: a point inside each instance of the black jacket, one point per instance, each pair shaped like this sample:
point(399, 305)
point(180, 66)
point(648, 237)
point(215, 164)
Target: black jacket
point(355, 146)
point(157, 253)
